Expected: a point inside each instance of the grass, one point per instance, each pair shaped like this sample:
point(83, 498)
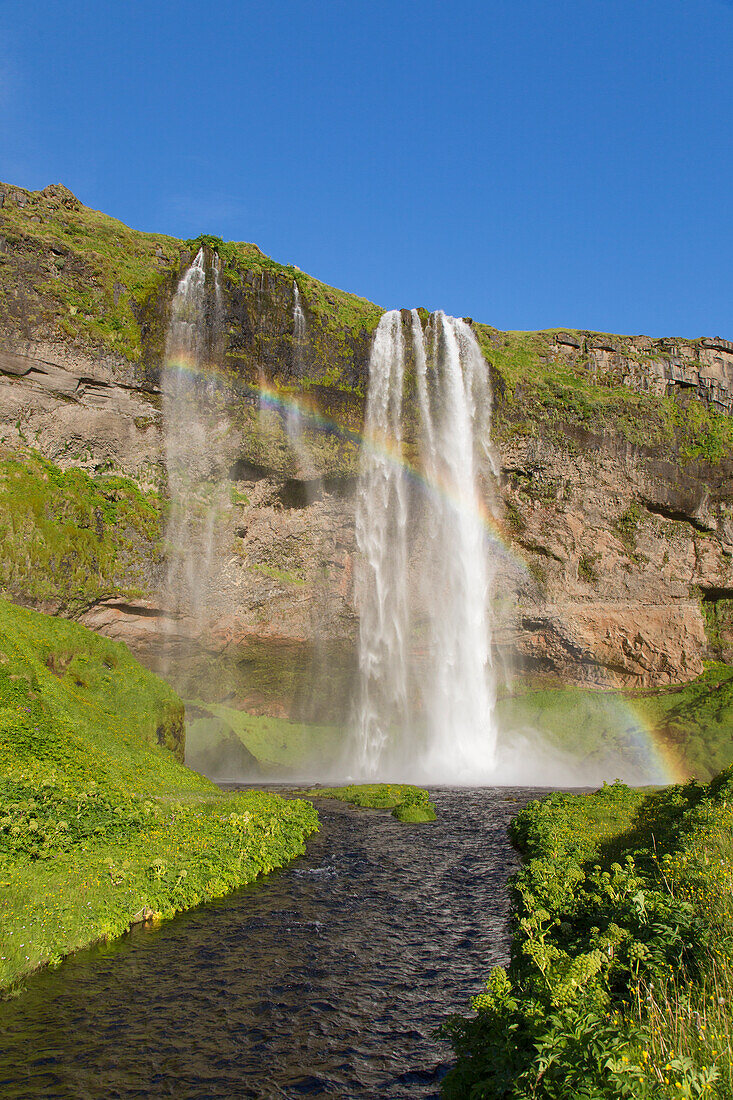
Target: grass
point(74, 274)
point(101, 825)
point(69, 538)
point(681, 731)
point(407, 803)
point(621, 968)
point(78, 275)
point(284, 576)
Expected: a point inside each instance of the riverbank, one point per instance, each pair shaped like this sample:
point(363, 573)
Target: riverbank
point(101, 825)
point(621, 972)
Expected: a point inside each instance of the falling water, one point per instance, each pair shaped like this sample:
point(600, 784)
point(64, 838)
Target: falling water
point(190, 416)
point(427, 695)
point(381, 536)
point(298, 331)
point(293, 416)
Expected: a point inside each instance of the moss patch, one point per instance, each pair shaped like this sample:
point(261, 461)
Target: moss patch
point(691, 724)
point(407, 803)
point(278, 746)
point(540, 390)
point(69, 539)
point(77, 273)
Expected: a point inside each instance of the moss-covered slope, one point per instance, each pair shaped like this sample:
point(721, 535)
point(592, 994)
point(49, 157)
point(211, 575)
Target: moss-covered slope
point(72, 274)
point(69, 539)
point(687, 729)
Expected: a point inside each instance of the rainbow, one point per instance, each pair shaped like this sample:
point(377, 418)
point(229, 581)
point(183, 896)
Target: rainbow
point(659, 759)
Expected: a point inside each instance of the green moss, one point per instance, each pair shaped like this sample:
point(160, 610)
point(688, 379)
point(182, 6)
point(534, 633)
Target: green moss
point(69, 539)
point(701, 433)
point(587, 569)
point(407, 803)
point(628, 525)
point(75, 272)
point(543, 391)
point(80, 271)
point(285, 576)
point(100, 824)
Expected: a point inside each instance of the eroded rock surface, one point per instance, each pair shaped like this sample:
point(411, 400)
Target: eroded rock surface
point(616, 566)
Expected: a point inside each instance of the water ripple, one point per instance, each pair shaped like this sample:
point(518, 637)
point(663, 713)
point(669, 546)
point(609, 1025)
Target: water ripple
point(328, 978)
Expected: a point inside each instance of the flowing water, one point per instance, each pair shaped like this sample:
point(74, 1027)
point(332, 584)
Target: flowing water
point(426, 706)
point(191, 418)
point(293, 417)
point(328, 978)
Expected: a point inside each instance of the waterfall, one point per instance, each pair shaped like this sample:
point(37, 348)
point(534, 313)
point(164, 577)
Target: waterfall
point(381, 537)
point(190, 419)
point(299, 329)
point(294, 426)
point(426, 683)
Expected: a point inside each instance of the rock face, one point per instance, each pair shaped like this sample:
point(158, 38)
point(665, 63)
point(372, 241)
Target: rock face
point(618, 539)
point(80, 409)
point(703, 368)
point(630, 556)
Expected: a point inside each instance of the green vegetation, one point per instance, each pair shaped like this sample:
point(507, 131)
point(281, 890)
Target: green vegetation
point(100, 825)
point(69, 539)
point(682, 730)
point(408, 804)
point(79, 272)
point(544, 390)
point(75, 273)
point(337, 310)
point(621, 969)
point(285, 576)
point(691, 724)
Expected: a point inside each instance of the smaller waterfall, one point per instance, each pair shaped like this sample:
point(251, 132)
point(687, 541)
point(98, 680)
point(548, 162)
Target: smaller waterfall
point(427, 695)
point(299, 331)
point(294, 426)
point(190, 426)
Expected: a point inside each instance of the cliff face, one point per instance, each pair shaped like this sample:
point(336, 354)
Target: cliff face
point(615, 456)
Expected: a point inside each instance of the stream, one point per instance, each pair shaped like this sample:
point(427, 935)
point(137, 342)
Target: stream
point(326, 978)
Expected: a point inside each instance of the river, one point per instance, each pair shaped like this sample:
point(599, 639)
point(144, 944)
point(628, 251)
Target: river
point(327, 978)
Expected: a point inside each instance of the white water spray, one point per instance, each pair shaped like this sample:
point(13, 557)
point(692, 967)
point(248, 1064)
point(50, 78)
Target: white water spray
point(189, 418)
point(426, 686)
point(293, 416)
point(381, 537)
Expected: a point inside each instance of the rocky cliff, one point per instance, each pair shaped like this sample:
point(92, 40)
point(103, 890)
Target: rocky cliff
point(615, 459)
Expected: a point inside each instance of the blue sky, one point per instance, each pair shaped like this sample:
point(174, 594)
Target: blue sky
point(531, 163)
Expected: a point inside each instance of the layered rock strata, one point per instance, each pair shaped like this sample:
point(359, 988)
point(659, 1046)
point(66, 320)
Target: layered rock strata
point(618, 549)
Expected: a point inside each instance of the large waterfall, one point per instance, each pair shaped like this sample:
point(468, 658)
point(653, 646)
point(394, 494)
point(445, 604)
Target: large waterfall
point(426, 701)
point(190, 416)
